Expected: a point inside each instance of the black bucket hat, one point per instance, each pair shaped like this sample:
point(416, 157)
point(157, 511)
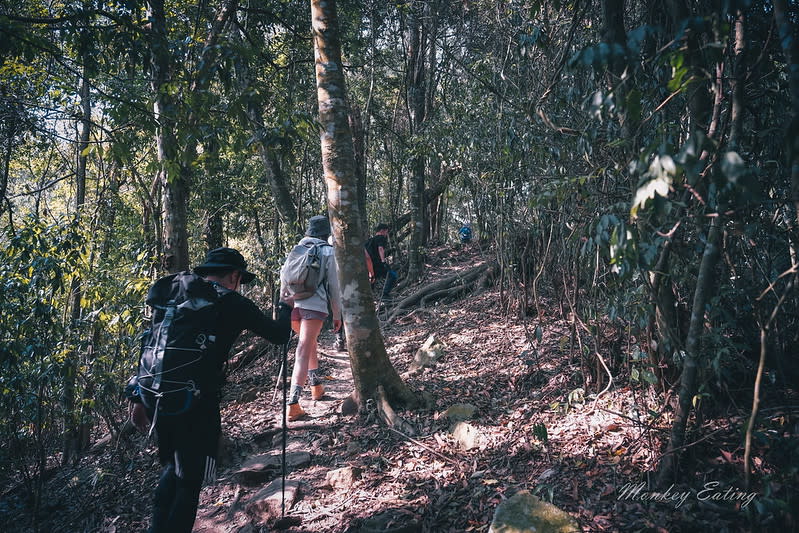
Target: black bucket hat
point(225, 258)
point(319, 227)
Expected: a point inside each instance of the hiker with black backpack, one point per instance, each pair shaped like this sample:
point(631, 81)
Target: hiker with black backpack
point(196, 319)
point(308, 281)
point(377, 247)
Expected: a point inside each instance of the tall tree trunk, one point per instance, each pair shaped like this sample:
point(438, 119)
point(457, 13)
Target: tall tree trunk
point(371, 367)
point(174, 160)
point(171, 177)
point(359, 149)
point(275, 178)
point(416, 89)
point(790, 48)
point(71, 446)
point(698, 104)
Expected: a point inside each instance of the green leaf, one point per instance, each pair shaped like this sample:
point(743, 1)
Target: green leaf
point(649, 377)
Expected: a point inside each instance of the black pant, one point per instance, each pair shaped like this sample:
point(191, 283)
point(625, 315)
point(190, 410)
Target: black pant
point(187, 447)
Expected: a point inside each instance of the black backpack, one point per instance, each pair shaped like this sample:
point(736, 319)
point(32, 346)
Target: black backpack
point(179, 360)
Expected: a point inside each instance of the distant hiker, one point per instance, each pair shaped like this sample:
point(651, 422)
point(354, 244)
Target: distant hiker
point(196, 319)
point(377, 246)
point(341, 337)
point(310, 307)
point(465, 234)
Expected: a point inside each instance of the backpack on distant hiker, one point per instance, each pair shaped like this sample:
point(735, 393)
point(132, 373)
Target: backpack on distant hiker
point(304, 270)
point(179, 360)
point(465, 234)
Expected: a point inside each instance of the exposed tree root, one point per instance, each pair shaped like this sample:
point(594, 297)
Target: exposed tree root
point(449, 286)
point(389, 416)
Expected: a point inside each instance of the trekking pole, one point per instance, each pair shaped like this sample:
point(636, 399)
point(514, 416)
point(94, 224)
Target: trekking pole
point(284, 522)
point(283, 451)
point(279, 377)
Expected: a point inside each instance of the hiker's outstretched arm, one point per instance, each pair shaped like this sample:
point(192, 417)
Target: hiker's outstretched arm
point(276, 331)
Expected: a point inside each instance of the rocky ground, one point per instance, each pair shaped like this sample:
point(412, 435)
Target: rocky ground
point(511, 412)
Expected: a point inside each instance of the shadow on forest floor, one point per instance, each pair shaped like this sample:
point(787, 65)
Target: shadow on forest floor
point(538, 425)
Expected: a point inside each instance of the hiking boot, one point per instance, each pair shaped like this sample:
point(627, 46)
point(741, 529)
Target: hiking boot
point(295, 412)
point(317, 391)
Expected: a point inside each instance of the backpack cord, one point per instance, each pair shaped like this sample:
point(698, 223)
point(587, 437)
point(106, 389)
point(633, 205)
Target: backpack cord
point(155, 418)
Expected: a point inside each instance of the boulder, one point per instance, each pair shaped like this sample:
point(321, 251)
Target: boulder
point(525, 513)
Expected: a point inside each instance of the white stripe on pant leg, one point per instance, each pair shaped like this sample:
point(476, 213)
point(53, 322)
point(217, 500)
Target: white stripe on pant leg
point(210, 470)
point(178, 467)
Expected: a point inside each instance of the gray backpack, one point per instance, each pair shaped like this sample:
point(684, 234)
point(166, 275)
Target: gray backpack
point(304, 270)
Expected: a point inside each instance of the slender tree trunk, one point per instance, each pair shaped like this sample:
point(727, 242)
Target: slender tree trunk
point(690, 372)
point(416, 90)
point(175, 161)
point(275, 178)
point(790, 48)
point(371, 367)
point(700, 112)
point(71, 423)
point(171, 176)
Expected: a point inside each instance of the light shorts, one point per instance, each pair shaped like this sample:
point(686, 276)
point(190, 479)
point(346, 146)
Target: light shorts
point(298, 314)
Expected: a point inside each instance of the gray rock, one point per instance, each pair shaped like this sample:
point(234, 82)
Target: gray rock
point(343, 478)
point(427, 355)
point(467, 435)
point(460, 411)
point(262, 468)
point(267, 503)
point(525, 513)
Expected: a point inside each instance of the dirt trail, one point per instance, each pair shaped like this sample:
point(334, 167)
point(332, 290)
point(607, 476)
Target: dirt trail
point(222, 506)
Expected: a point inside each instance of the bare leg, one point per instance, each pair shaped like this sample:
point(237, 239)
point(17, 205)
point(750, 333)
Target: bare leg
point(306, 356)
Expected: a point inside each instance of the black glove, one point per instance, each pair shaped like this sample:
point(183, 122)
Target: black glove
point(283, 312)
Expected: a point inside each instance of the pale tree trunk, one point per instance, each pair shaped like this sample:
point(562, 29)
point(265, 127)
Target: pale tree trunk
point(371, 368)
